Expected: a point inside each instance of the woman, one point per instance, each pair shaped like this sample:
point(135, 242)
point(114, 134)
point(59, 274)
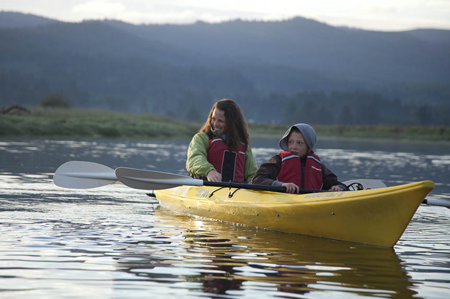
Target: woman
point(220, 151)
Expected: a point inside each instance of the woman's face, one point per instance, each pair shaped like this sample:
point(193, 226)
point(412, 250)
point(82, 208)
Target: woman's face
point(297, 144)
point(218, 121)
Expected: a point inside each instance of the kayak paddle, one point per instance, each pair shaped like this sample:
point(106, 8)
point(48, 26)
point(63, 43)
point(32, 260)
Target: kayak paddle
point(367, 183)
point(83, 175)
point(155, 180)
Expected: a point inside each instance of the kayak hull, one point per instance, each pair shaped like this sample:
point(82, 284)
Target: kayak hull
point(376, 216)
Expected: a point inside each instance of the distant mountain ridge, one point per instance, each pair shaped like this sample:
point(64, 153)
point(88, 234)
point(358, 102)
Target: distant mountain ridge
point(158, 67)
point(437, 36)
point(9, 19)
point(299, 43)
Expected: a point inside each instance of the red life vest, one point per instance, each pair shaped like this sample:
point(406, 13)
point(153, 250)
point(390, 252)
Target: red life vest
point(291, 170)
point(217, 152)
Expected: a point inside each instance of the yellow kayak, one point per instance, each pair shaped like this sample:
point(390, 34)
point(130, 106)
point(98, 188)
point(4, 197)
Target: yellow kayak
point(376, 216)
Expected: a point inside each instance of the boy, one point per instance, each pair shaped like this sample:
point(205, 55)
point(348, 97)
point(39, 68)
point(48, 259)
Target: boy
point(296, 166)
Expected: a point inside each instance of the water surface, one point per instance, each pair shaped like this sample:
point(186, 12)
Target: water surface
point(115, 242)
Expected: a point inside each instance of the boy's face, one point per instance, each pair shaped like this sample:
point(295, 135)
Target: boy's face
point(297, 144)
point(218, 121)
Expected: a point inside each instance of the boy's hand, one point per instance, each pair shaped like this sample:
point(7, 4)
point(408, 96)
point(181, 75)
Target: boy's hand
point(335, 188)
point(291, 187)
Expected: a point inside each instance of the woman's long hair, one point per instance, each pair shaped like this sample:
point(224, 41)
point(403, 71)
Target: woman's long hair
point(236, 126)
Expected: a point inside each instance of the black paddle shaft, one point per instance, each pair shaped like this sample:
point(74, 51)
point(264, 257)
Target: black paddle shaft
point(256, 187)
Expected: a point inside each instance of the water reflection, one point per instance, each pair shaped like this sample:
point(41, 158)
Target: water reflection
point(220, 258)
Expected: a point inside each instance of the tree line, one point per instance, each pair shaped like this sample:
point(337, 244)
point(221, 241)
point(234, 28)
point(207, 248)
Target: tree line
point(192, 103)
point(345, 108)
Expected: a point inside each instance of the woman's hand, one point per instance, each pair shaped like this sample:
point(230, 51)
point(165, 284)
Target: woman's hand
point(214, 176)
point(291, 187)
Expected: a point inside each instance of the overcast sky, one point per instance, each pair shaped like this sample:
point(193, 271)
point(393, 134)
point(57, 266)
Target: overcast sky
point(385, 15)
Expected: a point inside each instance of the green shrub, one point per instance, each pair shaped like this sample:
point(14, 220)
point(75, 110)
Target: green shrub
point(55, 101)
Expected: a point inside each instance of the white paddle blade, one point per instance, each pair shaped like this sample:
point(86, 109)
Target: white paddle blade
point(153, 180)
point(441, 202)
point(367, 183)
point(83, 175)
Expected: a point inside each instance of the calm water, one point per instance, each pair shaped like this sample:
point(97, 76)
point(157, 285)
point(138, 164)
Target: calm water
point(114, 242)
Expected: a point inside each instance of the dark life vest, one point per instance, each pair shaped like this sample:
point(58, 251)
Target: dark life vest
point(291, 170)
point(229, 163)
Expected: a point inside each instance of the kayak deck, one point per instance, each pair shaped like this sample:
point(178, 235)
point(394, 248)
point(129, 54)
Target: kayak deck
point(376, 216)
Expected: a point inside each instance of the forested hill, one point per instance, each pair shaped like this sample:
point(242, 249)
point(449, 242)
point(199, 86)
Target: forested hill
point(303, 44)
point(17, 20)
point(276, 70)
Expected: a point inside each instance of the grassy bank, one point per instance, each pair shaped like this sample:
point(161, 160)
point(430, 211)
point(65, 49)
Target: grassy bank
point(54, 123)
point(423, 133)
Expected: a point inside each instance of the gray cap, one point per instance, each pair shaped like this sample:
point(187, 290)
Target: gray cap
point(308, 134)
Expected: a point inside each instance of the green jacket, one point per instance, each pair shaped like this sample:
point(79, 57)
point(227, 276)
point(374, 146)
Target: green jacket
point(197, 163)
